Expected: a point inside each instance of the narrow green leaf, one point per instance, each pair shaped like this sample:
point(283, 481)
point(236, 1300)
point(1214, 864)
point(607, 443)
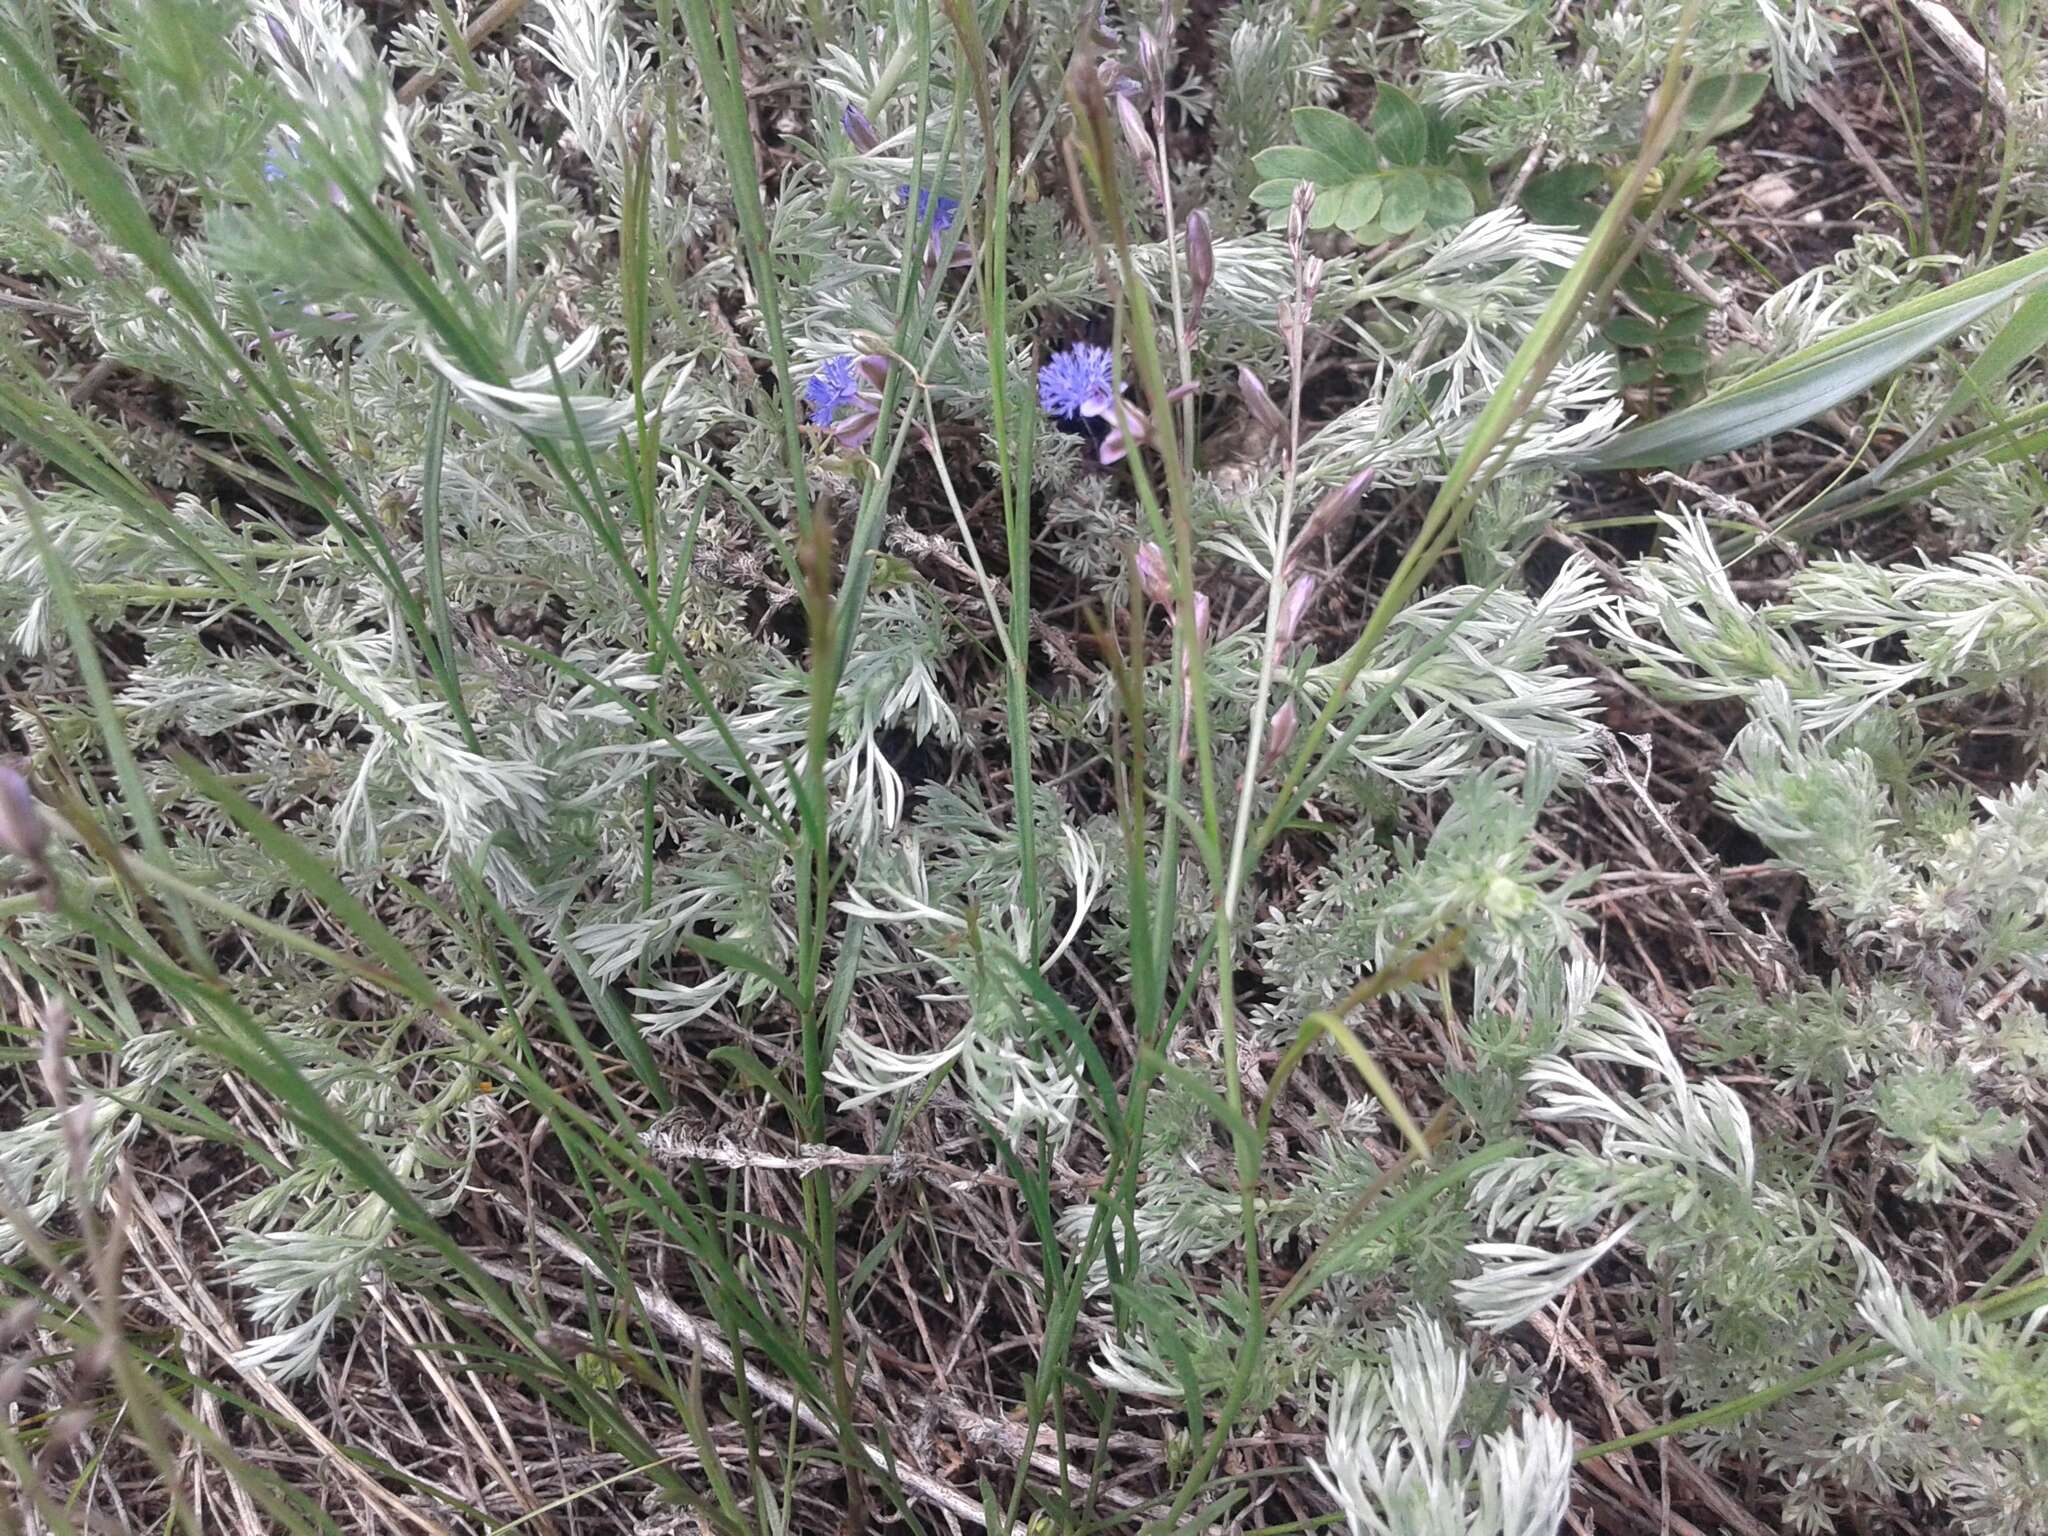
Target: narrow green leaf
point(1816, 378)
point(315, 879)
point(620, 1024)
point(107, 716)
point(746, 1065)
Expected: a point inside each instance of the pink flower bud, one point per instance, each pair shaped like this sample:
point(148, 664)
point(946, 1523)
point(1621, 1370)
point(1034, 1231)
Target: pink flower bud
point(1152, 574)
point(1201, 266)
point(1293, 609)
point(1155, 58)
point(1331, 511)
point(1279, 737)
point(1298, 210)
point(1201, 619)
point(1201, 250)
point(853, 430)
point(22, 832)
point(859, 129)
point(874, 368)
point(1129, 428)
point(1260, 404)
point(1139, 138)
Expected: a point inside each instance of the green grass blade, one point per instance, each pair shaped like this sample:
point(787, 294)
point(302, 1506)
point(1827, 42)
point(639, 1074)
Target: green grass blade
point(1819, 377)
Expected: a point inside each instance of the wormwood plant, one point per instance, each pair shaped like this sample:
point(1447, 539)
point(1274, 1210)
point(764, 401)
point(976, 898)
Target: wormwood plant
point(933, 765)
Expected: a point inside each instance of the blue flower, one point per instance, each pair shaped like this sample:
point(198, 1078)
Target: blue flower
point(279, 158)
point(937, 207)
point(832, 389)
point(1080, 380)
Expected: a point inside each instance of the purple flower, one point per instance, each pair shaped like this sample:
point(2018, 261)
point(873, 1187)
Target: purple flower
point(939, 208)
point(831, 390)
point(852, 385)
point(937, 212)
point(1078, 381)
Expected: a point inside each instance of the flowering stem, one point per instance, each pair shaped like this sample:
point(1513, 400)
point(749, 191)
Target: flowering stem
point(1182, 352)
point(1013, 453)
point(1276, 589)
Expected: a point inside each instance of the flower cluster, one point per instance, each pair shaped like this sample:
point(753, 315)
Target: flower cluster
point(1078, 389)
point(844, 398)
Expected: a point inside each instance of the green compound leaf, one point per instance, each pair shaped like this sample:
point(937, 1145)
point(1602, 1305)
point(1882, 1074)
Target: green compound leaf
point(1401, 177)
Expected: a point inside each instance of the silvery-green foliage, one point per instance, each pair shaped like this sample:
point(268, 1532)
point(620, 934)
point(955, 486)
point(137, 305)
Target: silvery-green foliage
point(1516, 78)
point(1753, 1264)
point(1494, 686)
point(1396, 1467)
point(1870, 274)
point(1267, 67)
point(1951, 1381)
point(1481, 872)
point(1936, 896)
point(557, 759)
point(1470, 295)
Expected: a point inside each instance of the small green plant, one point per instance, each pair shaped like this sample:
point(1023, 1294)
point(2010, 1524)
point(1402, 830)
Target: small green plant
point(1402, 175)
point(1660, 330)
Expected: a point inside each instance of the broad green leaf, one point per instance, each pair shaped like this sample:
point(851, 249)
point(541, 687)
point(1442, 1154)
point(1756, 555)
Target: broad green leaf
point(1675, 309)
point(1683, 361)
point(1450, 201)
point(1633, 331)
point(1273, 194)
point(1296, 162)
point(1817, 378)
point(1399, 127)
point(1560, 197)
point(1406, 201)
point(1337, 137)
point(1721, 102)
point(1353, 206)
